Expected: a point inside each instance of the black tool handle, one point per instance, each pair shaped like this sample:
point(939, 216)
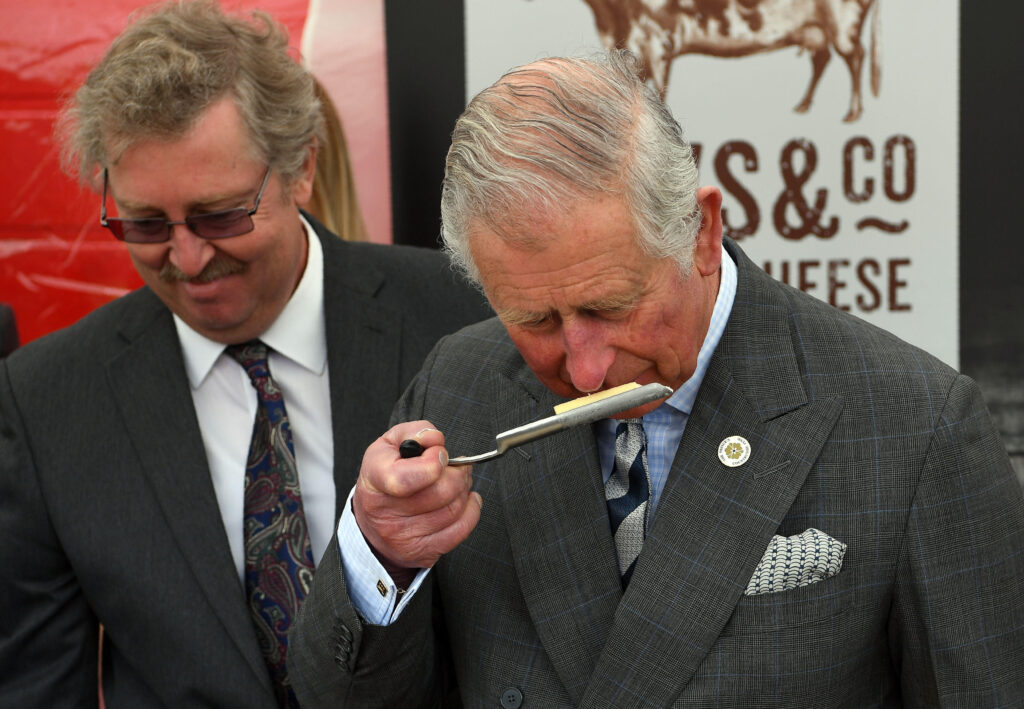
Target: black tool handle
point(410, 449)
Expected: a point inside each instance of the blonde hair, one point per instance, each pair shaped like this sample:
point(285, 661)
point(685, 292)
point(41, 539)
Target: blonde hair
point(334, 201)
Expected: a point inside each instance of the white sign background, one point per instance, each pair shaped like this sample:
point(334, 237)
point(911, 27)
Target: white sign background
point(752, 98)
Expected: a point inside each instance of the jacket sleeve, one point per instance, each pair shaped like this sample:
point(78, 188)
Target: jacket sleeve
point(337, 660)
point(957, 626)
point(48, 634)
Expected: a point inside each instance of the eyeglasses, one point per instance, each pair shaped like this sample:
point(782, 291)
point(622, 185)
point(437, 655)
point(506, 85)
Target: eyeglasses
point(154, 230)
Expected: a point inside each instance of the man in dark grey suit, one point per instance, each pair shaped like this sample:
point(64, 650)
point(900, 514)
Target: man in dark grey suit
point(820, 515)
point(129, 485)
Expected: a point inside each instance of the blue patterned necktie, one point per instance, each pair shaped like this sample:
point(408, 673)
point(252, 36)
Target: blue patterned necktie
point(627, 493)
point(278, 554)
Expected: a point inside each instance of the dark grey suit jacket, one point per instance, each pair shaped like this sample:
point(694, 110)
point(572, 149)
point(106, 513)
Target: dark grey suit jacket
point(853, 432)
point(107, 511)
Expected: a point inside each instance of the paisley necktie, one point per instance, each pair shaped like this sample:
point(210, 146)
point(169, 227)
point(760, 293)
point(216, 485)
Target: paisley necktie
point(278, 555)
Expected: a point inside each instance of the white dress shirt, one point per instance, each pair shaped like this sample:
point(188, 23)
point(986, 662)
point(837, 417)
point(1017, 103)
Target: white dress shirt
point(225, 403)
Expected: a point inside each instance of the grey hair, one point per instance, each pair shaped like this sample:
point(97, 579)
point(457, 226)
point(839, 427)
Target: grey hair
point(174, 62)
point(563, 129)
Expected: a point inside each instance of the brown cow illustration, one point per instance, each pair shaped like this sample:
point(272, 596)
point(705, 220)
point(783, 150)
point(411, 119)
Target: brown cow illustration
point(658, 31)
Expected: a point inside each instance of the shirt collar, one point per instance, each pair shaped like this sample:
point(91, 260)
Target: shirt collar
point(683, 397)
point(298, 333)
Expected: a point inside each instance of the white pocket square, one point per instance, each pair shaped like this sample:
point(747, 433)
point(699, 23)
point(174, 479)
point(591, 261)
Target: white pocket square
point(791, 562)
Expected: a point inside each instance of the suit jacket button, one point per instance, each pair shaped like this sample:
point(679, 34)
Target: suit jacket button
point(511, 698)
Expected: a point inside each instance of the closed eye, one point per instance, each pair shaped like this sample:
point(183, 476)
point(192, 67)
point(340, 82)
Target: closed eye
point(522, 319)
point(611, 314)
point(534, 322)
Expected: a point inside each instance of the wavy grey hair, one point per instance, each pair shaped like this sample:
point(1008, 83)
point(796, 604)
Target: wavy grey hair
point(564, 129)
point(173, 63)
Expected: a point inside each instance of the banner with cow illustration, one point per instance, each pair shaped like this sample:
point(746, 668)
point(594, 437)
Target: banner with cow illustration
point(831, 127)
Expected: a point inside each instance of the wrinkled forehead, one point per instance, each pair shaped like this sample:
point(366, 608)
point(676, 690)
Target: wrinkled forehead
point(118, 137)
point(539, 224)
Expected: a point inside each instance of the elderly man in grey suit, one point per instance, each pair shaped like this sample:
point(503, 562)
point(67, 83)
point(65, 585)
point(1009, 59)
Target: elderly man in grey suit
point(170, 465)
point(820, 515)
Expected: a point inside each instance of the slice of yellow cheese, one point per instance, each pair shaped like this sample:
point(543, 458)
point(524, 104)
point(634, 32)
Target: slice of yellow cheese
point(596, 396)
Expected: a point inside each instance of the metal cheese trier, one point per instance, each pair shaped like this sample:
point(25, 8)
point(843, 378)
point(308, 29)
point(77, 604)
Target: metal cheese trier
point(586, 409)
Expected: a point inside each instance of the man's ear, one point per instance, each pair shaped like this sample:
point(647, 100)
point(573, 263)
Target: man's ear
point(302, 187)
point(707, 253)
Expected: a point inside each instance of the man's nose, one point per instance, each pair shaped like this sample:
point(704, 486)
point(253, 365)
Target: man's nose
point(588, 354)
point(189, 252)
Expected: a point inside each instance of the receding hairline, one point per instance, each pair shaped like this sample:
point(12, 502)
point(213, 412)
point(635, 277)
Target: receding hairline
point(548, 74)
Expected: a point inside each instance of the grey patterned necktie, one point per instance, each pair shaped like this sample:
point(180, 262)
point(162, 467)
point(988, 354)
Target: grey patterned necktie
point(627, 493)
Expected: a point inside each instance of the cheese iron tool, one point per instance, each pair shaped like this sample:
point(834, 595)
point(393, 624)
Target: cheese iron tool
point(586, 409)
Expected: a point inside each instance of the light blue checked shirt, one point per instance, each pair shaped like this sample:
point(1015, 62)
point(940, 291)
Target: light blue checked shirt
point(373, 593)
point(664, 426)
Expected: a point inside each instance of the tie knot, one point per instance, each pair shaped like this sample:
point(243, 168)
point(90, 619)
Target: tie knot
point(252, 355)
point(631, 427)
point(630, 440)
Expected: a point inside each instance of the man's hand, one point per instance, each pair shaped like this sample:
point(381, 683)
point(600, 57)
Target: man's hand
point(413, 510)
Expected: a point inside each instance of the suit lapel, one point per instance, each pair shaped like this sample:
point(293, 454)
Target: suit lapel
point(364, 342)
point(714, 522)
point(712, 527)
point(561, 541)
point(149, 383)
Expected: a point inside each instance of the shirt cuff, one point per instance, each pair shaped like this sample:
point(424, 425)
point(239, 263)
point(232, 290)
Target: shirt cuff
point(373, 593)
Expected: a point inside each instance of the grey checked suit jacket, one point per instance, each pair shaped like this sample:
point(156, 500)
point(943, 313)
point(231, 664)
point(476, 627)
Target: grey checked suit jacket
point(107, 511)
point(853, 432)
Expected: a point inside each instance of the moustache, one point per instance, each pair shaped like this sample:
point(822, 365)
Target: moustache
point(219, 267)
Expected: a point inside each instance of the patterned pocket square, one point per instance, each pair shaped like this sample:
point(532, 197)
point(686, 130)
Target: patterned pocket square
point(800, 560)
